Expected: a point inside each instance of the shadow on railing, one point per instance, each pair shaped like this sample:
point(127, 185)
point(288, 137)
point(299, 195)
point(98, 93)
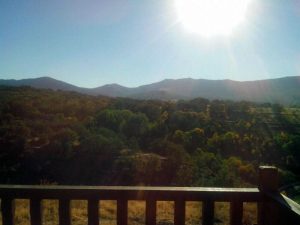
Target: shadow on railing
point(273, 208)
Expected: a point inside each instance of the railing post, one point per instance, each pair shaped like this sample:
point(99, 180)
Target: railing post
point(150, 212)
point(179, 212)
point(236, 212)
point(268, 183)
point(208, 212)
point(64, 212)
point(35, 212)
point(7, 207)
point(268, 178)
point(122, 212)
point(93, 212)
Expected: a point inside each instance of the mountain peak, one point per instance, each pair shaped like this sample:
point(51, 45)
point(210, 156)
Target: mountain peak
point(113, 85)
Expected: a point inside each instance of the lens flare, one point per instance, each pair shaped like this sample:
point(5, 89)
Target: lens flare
point(211, 17)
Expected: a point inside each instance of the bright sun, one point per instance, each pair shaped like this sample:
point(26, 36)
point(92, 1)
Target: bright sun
point(211, 17)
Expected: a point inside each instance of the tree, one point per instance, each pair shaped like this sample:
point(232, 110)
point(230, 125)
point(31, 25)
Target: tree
point(195, 139)
point(136, 125)
point(63, 142)
point(112, 119)
point(12, 147)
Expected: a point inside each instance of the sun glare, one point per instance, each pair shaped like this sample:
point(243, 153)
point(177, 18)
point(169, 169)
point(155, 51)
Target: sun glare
point(211, 17)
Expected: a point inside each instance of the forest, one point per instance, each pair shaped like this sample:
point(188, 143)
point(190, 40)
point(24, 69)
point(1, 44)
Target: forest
point(59, 137)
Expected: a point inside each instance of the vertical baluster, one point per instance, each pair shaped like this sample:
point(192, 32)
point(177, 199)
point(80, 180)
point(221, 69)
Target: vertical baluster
point(122, 211)
point(236, 212)
point(35, 212)
point(150, 212)
point(259, 213)
point(208, 209)
point(7, 207)
point(64, 212)
point(179, 212)
point(93, 212)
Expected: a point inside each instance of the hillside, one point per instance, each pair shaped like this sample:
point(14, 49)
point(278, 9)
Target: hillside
point(71, 138)
point(281, 90)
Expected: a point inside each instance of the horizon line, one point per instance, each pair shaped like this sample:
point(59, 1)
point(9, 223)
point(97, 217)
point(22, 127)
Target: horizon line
point(173, 79)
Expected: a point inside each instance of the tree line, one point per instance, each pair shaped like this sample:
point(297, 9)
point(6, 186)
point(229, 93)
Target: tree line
point(69, 138)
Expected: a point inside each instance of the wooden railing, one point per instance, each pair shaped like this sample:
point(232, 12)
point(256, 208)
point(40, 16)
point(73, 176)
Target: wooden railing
point(273, 207)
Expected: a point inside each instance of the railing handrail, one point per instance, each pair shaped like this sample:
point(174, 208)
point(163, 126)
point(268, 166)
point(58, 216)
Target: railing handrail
point(274, 209)
point(146, 188)
point(130, 192)
point(208, 196)
point(286, 202)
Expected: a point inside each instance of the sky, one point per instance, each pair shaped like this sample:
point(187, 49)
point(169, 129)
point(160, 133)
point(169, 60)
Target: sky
point(90, 43)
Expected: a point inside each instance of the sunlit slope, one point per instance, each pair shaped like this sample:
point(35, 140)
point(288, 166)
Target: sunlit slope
point(282, 90)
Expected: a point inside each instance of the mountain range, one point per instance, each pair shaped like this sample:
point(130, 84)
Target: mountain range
point(284, 90)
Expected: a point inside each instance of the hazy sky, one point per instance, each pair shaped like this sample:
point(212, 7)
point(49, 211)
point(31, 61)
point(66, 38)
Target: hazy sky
point(133, 42)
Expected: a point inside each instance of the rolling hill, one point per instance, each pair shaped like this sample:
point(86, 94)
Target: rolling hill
point(284, 90)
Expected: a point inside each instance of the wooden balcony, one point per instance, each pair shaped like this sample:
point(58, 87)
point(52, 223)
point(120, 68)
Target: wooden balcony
point(273, 208)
